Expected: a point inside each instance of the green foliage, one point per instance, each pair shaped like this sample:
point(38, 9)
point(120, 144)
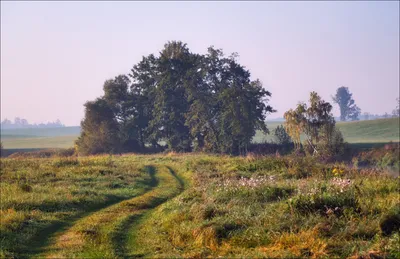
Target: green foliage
point(317, 123)
point(281, 136)
point(386, 157)
point(186, 100)
point(100, 132)
point(348, 109)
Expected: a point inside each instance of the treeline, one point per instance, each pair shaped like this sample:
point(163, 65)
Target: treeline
point(23, 123)
point(179, 101)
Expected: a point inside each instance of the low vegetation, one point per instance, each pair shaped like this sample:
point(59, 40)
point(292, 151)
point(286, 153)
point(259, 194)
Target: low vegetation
point(39, 195)
point(120, 206)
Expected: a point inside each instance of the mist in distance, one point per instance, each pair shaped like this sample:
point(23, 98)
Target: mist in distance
point(55, 56)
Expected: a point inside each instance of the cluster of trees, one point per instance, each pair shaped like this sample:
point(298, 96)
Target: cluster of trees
point(317, 124)
point(23, 123)
point(181, 99)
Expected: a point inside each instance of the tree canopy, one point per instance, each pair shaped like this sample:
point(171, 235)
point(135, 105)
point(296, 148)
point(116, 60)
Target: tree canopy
point(317, 123)
point(186, 100)
point(348, 108)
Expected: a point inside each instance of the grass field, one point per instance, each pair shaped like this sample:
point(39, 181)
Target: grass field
point(360, 132)
point(39, 138)
point(371, 131)
point(190, 205)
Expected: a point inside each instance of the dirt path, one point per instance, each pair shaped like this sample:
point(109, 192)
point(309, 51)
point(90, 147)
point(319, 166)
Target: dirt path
point(102, 234)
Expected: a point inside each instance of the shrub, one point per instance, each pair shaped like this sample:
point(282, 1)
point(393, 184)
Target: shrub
point(391, 222)
point(281, 136)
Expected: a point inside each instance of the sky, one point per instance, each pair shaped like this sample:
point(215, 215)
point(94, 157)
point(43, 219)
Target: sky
point(56, 55)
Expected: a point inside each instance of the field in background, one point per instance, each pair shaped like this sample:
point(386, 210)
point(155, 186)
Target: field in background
point(361, 133)
point(39, 138)
point(366, 132)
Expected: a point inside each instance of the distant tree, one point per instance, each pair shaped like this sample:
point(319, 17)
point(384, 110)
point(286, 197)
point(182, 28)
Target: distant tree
point(186, 100)
point(396, 112)
point(281, 136)
point(1, 149)
point(386, 115)
point(99, 129)
point(366, 115)
point(317, 124)
point(348, 108)
point(23, 123)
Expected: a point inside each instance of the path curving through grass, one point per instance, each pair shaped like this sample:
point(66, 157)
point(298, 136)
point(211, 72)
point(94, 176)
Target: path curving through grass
point(102, 233)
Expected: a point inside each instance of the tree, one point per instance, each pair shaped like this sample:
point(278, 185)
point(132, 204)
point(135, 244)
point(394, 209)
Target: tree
point(99, 129)
point(348, 108)
point(281, 136)
point(170, 103)
point(317, 124)
point(186, 100)
point(396, 112)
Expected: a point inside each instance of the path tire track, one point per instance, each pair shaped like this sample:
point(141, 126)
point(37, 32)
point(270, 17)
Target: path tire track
point(101, 234)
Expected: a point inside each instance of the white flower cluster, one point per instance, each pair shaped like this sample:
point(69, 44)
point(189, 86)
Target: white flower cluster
point(233, 184)
point(340, 183)
point(336, 185)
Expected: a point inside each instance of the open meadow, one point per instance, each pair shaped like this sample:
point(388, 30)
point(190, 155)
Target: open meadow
point(193, 205)
point(361, 133)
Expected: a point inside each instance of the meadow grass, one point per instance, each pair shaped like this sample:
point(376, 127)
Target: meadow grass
point(25, 142)
point(367, 131)
point(196, 205)
point(277, 208)
point(364, 133)
point(37, 194)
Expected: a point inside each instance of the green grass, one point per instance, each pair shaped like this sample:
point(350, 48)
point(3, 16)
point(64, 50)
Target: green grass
point(37, 194)
point(39, 142)
point(267, 207)
point(368, 132)
point(39, 138)
point(193, 205)
point(43, 132)
point(373, 131)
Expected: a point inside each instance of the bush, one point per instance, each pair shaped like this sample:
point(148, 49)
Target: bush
point(391, 222)
point(281, 136)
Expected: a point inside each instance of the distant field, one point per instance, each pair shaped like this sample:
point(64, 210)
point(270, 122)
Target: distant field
point(380, 130)
point(41, 132)
point(39, 138)
point(371, 131)
point(361, 132)
point(39, 142)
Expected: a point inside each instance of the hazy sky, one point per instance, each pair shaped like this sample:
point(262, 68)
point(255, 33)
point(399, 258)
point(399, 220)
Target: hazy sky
point(56, 55)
